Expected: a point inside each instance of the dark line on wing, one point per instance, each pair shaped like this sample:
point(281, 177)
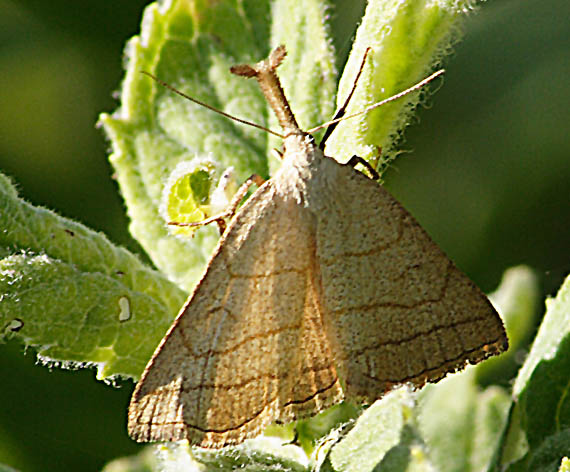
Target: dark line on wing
point(342, 255)
point(292, 270)
point(415, 336)
point(249, 420)
point(444, 288)
point(245, 340)
point(440, 365)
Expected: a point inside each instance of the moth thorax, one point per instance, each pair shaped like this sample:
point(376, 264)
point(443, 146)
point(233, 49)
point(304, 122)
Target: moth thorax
point(299, 148)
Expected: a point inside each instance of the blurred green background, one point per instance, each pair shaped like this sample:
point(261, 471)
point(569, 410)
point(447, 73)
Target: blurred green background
point(488, 175)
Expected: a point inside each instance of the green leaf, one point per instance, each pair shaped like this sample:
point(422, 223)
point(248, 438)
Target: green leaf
point(385, 437)
point(546, 398)
point(145, 461)
point(461, 423)
point(313, 432)
point(548, 457)
point(517, 299)
point(191, 46)
point(554, 328)
point(7, 468)
point(407, 39)
point(540, 424)
point(187, 196)
point(74, 296)
point(261, 454)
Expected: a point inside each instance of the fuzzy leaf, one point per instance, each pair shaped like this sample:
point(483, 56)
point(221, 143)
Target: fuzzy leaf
point(461, 423)
point(540, 421)
point(144, 461)
point(74, 296)
point(191, 46)
point(554, 328)
point(385, 437)
point(7, 468)
point(407, 39)
point(517, 299)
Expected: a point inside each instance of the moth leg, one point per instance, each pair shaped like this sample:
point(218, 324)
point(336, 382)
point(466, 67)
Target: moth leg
point(238, 197)
point(219, 220)
point(354, 160)
point(295, 440)
point(230, 211)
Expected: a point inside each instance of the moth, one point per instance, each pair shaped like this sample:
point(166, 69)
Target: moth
point(322, 288)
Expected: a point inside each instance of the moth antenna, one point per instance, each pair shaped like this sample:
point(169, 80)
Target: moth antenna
point(209, 107)
point(413, 88)
point(342, 110)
